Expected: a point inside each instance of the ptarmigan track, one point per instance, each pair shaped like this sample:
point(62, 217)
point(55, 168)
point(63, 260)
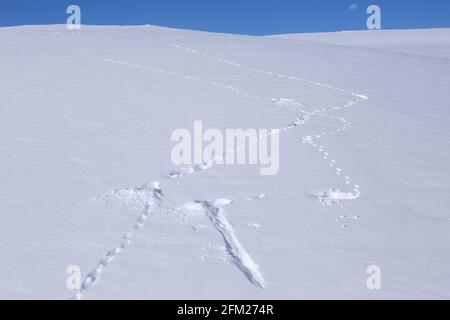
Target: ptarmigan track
point(332, 195)
point(181, 172)
point(148, 198)
point(239, 255)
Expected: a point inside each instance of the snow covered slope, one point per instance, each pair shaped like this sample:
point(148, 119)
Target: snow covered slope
point(424, 42)
point(87, 179)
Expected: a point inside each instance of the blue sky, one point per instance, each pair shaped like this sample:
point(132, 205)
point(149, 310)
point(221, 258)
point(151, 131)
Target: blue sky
point(255, 17)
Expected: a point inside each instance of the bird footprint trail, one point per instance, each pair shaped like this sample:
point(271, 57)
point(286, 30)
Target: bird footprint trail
point(333, 195)
point(239, 255)
point(288, 103)
point(285, 102)
point(149, 198)
point(215, 210)
point(94, 276)
point(138, 196)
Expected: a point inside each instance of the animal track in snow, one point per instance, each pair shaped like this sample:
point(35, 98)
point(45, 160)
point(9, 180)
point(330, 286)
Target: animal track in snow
point(184, 171)
point(288, 103)
point(94, 276)
point(296, 106)
point(335, 195)
point(258, 196)
point(215, 210)
point(148, 198)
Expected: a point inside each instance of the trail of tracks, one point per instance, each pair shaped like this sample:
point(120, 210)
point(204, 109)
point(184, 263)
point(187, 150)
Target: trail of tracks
point(332, 195)
point(295, 106)
point(215, 212)
point(149, 198)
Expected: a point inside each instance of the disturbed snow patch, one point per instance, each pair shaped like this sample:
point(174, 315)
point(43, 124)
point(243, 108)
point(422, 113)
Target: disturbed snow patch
point(240, 257)
point(137, 197)
point(334, 196)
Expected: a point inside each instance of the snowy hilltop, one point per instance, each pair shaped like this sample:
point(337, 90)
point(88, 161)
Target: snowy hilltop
point(154, 163)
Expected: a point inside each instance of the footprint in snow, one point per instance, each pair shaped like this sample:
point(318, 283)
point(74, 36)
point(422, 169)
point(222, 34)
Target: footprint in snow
point(258, 196)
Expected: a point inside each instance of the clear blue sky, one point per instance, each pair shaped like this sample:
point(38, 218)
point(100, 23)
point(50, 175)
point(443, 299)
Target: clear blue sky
point(255, 17)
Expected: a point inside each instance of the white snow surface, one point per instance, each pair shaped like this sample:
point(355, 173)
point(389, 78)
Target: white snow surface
point(420, 42)
point(86, 176)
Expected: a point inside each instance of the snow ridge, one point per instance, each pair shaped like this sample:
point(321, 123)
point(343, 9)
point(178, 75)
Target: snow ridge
point(239, 255)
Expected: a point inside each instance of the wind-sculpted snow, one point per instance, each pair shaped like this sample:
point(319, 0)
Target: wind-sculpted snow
point(239, 255)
